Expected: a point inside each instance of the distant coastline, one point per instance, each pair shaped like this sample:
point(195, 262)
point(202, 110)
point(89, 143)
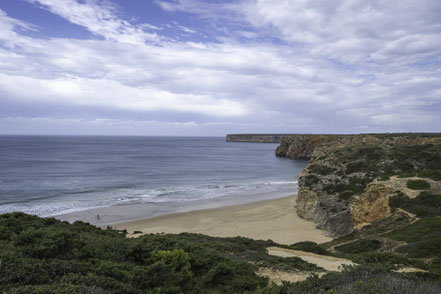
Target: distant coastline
point(255, 138)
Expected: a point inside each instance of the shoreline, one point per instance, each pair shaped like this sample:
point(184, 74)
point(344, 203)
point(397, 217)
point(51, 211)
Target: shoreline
point(125, 213)
point(274, 219)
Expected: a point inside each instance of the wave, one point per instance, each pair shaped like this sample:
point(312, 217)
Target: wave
point(126, 196)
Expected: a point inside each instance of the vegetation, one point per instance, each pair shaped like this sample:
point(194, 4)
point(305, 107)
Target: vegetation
point(49, 256)
point(309, 246)
point(348, 170)
point(359, 246)
point(417, 185)
point(424, 205)
point(363, 279)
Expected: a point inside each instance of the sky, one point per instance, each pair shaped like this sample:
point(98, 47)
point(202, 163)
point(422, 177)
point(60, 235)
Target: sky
point(212, 67)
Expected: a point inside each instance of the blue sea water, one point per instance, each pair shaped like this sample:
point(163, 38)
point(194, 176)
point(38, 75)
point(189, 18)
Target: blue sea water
point(53, 175)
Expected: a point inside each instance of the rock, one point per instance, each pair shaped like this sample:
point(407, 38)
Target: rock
point(301, 146)
point(342, 187)
point(372, 205)
point(307, 204)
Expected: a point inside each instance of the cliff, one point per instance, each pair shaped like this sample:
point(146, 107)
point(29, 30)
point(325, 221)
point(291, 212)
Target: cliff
point(350, 178)
point(255, 138)
point(302, 146)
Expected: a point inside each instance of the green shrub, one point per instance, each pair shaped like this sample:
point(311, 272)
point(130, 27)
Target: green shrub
point(357, 166)
point(311, 180)
point(321, 169)
point(345, 195)
point(417, 184)
point(420, 230)
point(423, 248)
point(359, 246)
point(362, 280)
point(309, 247)
point(431, 174)
point(387, 259)
point(49, 256)
point(424, 205)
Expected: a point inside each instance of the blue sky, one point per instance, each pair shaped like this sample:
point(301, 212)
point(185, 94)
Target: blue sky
point(211, 67)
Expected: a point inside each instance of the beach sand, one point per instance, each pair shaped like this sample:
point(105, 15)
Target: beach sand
point(274, 219)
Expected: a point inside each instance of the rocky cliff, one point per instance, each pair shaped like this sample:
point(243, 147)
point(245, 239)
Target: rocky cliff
point(302, 146)
point(350, 178)
point(255, 138)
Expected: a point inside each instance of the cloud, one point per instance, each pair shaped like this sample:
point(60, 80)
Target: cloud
point(354, 32)
point(111, 94)
point(99, 17)
point(202, 8)
point(305, 66)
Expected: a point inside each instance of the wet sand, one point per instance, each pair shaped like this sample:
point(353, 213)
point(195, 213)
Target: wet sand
point(274, 219)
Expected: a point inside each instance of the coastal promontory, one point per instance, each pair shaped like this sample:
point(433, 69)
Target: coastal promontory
point(350, 180)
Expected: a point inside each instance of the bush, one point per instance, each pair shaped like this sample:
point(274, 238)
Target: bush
point(309, 246)
point(357, 166)
point(431, 174)
point(359, 246)
point(321, 169)
point(49, 256)
point(384, 259)
point(362, 280)
point(424, 205)
point(417, 184)
point(311, 180)
point(420, 230)
point(424, 248)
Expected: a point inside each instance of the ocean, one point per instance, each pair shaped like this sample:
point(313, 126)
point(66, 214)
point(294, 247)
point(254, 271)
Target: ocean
point(58, 175)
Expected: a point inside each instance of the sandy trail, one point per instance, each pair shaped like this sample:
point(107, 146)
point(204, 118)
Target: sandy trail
point(279, 277)
point(329, 263)
point(274, 219)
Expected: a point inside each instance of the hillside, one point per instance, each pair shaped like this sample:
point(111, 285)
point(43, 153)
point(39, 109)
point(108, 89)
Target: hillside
point(49, 256)
point(379, 194)
point(349, 179)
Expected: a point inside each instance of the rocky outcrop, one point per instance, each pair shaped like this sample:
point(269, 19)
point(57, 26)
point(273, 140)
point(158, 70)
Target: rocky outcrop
point(350, 178)
point(302, 146)
point(371, 205)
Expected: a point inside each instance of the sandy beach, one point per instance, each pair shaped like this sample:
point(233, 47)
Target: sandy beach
point(274, 219)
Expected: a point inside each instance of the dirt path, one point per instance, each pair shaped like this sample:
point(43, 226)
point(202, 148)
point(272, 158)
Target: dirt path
point(279, 277)
point(329, 263)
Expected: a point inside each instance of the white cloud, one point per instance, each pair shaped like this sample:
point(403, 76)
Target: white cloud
point(324, 67)
point(111, 94)
point(354, 32)
point(99, 17)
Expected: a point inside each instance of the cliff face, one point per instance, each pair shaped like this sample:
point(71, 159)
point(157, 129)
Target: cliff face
point(349, 179)
point(255, 138)
point(302, 146)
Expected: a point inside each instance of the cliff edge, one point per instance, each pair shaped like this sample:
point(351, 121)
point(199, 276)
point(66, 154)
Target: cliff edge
point(350, 178)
